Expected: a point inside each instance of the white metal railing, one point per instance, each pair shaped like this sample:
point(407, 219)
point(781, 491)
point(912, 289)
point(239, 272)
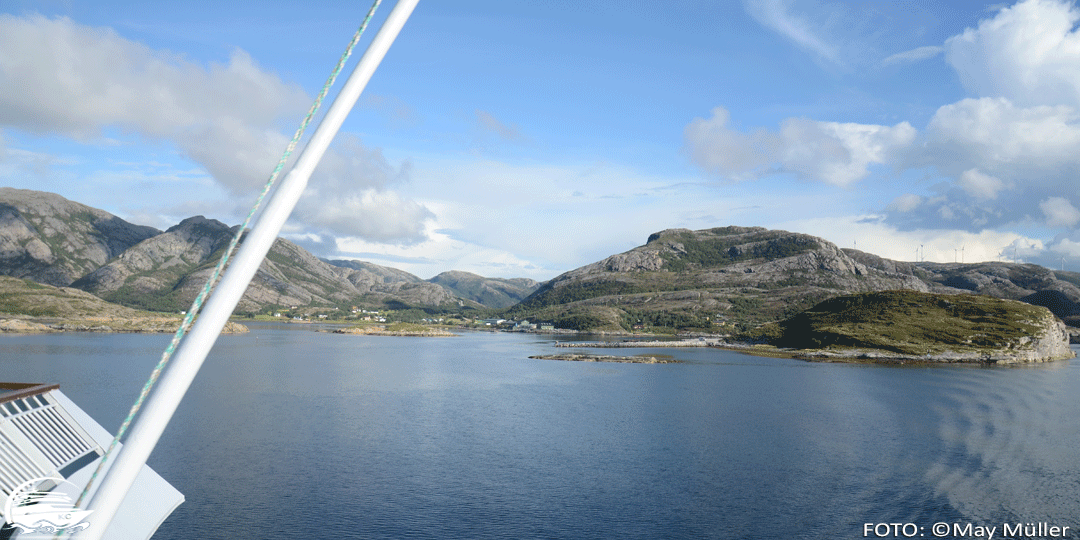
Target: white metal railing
point(38, 438)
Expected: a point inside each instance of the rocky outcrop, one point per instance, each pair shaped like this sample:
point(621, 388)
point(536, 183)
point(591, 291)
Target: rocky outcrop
point(52, 240)
point(607, 358)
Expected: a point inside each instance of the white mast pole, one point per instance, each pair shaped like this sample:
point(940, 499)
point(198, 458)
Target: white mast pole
point(160, 406)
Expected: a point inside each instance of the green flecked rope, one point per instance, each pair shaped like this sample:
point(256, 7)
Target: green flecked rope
point(197, 304)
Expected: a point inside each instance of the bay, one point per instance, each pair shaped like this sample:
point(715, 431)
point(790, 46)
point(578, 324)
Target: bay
point(292, 432)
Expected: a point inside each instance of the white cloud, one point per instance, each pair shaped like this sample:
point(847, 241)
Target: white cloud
point(830, 152)
point(1028, 53)
point(870, 234)
point(839, 153)
point(374, 214)
point(777, 15)
point(985, 131)
point(57, 76)
point(1059, 212)
point(914, 55)
point(905, 203)
point(439, 252)
point(1021, 131)
point(1067, 248)
point(715, 147)
point(980, 185)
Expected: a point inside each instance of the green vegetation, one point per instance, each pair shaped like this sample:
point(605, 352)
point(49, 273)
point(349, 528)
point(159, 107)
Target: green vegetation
point(713, 252)
point(665, 321)
point(905, 322)
point(406, 327)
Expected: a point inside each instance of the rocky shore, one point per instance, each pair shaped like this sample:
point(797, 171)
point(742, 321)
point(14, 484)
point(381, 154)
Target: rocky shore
point(160, 325)
point(692, 342)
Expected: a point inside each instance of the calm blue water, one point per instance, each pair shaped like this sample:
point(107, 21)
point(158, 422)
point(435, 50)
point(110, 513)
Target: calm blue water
point(289, 432)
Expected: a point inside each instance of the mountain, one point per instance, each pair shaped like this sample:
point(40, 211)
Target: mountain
point(730, 278)
point(167, 271)
point(736, 278)
point(491, 292)
point(51, 240)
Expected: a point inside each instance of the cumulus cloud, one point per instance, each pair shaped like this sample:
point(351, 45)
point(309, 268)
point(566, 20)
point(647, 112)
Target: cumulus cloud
point(914, 55)
point(905, 203)
point(350, 193)
point(980, 185)
point(974, 132)
point(715, 147)
point(1020, 132)
point(1026, 53)
point(1065, 247)
point(1059, 212)
point(57, 76)
point(830, 152)
point(839, 153)
point(62, 77)
point(989, 145)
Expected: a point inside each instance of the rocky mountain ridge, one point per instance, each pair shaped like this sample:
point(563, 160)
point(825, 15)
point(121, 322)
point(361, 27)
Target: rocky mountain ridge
point(51, 240)
point(46, 238)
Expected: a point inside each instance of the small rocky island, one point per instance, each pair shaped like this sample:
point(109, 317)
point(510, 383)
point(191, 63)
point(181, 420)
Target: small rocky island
point(910, 326)
point(641, 359)
point(396, 329)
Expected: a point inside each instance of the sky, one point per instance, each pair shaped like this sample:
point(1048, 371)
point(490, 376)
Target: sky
point(526, 139)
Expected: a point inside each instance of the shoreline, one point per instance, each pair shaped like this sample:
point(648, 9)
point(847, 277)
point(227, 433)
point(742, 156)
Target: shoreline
point(852, 355)
point(138, 325)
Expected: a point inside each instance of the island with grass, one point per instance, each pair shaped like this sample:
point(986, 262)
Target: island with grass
point(396, 329)
point(910, 326)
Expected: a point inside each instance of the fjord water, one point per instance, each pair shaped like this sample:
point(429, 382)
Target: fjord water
point(288, 432)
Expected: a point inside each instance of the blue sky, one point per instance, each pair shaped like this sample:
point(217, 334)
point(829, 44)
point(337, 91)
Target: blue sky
point(525, 139)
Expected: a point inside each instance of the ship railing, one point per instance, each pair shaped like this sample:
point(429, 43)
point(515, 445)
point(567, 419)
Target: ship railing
point(38, 438)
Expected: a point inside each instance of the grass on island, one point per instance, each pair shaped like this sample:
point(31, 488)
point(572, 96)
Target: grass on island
point(906, 322)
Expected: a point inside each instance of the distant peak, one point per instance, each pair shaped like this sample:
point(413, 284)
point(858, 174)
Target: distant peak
point(196, 221)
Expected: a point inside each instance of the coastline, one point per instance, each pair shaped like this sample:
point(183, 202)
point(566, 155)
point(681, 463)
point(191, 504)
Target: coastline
point(847, 355)
point(136, 325)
